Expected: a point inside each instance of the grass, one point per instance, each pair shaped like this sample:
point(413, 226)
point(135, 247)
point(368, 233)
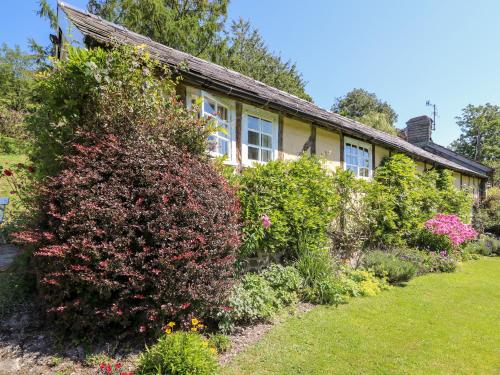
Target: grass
point(7, 161)
point(437, 324)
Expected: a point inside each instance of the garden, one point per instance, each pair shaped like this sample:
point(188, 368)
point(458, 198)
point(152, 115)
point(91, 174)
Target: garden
point(145, 256)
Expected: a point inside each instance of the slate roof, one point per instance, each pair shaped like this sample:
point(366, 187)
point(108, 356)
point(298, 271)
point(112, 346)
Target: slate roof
point(226, 81)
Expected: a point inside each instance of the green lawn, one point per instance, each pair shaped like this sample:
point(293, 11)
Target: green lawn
point(437, 324)
point(7, 161)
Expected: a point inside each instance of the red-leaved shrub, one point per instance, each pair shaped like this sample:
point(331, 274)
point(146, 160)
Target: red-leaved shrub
point(135, 234)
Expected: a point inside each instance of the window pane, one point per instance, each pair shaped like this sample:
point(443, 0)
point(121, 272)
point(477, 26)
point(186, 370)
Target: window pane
point(253, 153)
point(352, 168)
point(212, 143)
point(222, 113)
point(267, 155)
point(253, 138)
point(223, 147)
point(267, 141)
point(253, 123)
point(208, 106)
point(267, 127)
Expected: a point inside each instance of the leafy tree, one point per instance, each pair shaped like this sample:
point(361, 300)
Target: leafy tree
point(480, 138)
point(16, 77)
point(196, 27)
point(365, 107)
point(191, 26)
point(248, 54)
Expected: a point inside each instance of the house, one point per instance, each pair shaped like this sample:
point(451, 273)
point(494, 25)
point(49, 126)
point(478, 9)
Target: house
point(264, 123)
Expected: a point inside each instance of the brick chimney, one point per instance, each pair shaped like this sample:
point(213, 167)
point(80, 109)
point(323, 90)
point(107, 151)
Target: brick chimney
point(419, 129)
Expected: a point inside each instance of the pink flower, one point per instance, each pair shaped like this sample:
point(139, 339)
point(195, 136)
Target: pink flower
point(142, 329)
point(266, 222)
point(452, 227)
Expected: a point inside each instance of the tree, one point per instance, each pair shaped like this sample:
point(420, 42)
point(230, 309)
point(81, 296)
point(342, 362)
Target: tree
point(365, 107)
point(192, 26)
point(196, 27)
point(480, 138)
point(248, 54)
point(16, 77)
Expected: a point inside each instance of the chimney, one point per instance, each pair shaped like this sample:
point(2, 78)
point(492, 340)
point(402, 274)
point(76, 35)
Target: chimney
point(419, 129)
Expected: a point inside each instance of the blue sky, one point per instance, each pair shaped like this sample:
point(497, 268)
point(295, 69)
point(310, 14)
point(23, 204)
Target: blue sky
point(406, 52)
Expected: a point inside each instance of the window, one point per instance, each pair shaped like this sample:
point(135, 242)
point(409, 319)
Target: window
point(259, 135)
point(357, 156)
point(221, 143)
point(260, 139)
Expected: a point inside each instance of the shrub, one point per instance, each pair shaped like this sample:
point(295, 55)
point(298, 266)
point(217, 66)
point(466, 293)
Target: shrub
point(251, 300)
point(427, 240)
point(400, 199)
point(419, 258)
point(135, 233)
point(94, 93)
point(285, 206)
point(362, 283)
point(285, 281)
point(320, 284)
point(179, 353)
point(387, 265)
point(351, 227)
point(442, 262)
point(487, 218)
point(452, 227)
point(260, 296)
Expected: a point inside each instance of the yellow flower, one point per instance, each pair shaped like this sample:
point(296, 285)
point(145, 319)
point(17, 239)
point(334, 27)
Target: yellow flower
point(195, 321)
point(213, 350)
point(171, 324)
point(168, 331)
point(194, 329)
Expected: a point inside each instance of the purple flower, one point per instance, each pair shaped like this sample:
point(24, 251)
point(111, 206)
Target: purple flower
point(266, 222)
point(442, 253)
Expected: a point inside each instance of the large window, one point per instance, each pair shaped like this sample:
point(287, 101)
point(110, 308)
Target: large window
point(222, 142)
point(219, 142)
point(357, 157)
point(260, 139)
point(259, 136)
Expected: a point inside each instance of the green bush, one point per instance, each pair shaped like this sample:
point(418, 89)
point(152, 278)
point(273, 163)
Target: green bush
point(320, 284)
point(351, 227)
point(400, 200)
point(478, 247)
point(95, 93)
point(419, 258)
point(387, 265)
point(297, 197)
point(285, 281)
point(426, 240)
point(442, 263)
point(259, 296)
point(363, 283)
point(179, 353)
point(487, 217)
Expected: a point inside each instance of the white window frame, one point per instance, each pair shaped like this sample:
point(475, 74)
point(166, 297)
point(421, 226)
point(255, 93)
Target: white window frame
point(248, 110)
point(359, 144)
point(194, 94)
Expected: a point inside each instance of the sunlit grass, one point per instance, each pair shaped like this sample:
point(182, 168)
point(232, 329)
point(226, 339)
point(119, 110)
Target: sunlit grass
point(437, 324)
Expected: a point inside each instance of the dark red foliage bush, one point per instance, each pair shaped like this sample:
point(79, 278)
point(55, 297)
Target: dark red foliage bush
point(135, 234)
